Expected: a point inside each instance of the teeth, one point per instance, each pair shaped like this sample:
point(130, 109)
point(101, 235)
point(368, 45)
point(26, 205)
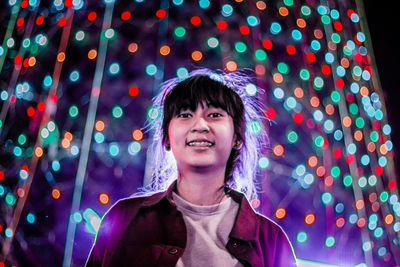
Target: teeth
point(200, 143)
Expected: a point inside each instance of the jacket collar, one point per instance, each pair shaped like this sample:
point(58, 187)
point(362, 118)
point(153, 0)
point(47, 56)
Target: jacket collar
point(246, 222)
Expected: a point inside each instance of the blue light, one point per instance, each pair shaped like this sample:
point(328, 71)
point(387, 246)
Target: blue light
point(297, 35)
point(338, 135)
point(354, 18)
point(339, 207)
point(352, 148)
point(134, 147)
point(318, 116)
point(278, 93)
point(275, 28)
point(55, 165)
point(326, 198)
point(364, 160)
point(227, 10)
point(253, 20)
point(47, 81)
point(329, 57)
point(204, 4)
point(74, 76)
point(30, 218)
point(151, 69)
point(99, 138)
point(322, 10)
point(335, 14)
point(315, 45)
point(114, 68)
point(301, 237)
point(354, 88)
point(182, 73)
point(113, 149)
point(340, 71)
point(329, 126)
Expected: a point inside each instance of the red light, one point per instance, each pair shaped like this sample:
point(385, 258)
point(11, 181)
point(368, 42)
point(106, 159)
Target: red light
point(24, 4)
point(290, 49)
point(53, 99)
point(349, 159)
point(244, 30)
point(376, 125)
point(62, 22)
point(350, 12)
point(30, 111)
point(133, 91)
point(26, 62)
point(326, 70)
point(20, 22)
point(298, 117)
point(25, 168)
point(338, 26)
point(267, 44)
point(17, 59)
point(270, 113)
point(126, 15)
point(222, 25)
point(340, 83)
point(392, 184)
point(379, 170)
point(350, 97)
point(92, 16)
point(2, 175)
point(68, 3)
point(41, 106)
point(161, 13)
point(337, 153)
point(311, 57)
point(369, 69)
point(39, 20)
point(195, 20)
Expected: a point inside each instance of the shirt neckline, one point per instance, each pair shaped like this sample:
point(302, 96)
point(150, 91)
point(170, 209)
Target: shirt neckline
point(202, 210)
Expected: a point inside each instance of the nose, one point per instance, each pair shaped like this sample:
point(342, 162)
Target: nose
point(200, 125)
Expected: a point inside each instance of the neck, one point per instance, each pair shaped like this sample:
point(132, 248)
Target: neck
point(202, 189)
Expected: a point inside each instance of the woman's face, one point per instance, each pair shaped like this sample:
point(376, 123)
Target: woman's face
point(201, 139)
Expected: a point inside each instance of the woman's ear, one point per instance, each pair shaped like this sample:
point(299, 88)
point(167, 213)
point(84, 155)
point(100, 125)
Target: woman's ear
point(238, 144)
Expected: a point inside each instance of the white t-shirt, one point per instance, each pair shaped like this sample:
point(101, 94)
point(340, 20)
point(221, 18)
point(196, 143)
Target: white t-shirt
point(208, 229)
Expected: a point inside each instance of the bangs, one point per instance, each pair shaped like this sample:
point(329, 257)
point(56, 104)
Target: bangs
point(200, 89)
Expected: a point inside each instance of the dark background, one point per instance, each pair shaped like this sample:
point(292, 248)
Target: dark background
point(383, 23)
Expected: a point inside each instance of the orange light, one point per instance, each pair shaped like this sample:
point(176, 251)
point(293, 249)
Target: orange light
point(382, 149)
point(358, 135)
point(100, 126)
point(278, 150)
point(329, 109)
point(328, 181)
point(346, 121)
point(301, 23)
point(261, 5)
point(360, 204)
point(371, 147)
point(197, 55)
point(137, 135)
point(389, 219)
point(361, 223)
point(56, 193)
point(32, 61)
point(277, 77)
point(65, 143)
point(314, 101)
point(364, 91)
point(38, 152)
point(68, 136)
point(92, 54)
point(283, 11)
point(104, 198)
point(312, 161)
point(61, 57)
point(344, 62)
point(298, 92)
point(280, 213)
point(309, 218)
point(165, 50)
point(339, 222)
point(231, 65)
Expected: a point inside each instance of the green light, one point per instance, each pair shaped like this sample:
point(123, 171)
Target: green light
point(384, 196)
point(335, 38)
point(292, 136)
point(360, 122)
point(212, 42)
point(26, 42)
point(347, 51)
point(153, 113)
point(353, 108)
point(347, 180)
point(73, 111)
point(22, 139)
point(304, 74)
point(318, 83)
point(335, 171)
point(260, 55)
point(10, 199)
point(283, 68)
point(325, 19)
point(179, 32)
point(254, 127)
point(240, 47)
point(319, 141)
point(335, 96)
point(117, 112)
point(288, 2)
point(305, 10)
point(374, 136)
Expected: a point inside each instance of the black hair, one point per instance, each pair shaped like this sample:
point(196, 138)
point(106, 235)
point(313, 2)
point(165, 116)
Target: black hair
point(189, 93)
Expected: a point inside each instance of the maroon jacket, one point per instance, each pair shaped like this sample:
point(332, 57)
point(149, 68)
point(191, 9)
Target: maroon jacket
point(150, 231)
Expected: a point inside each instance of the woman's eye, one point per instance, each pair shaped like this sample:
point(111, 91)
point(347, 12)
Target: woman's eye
point(215, 115)
point(184, 115)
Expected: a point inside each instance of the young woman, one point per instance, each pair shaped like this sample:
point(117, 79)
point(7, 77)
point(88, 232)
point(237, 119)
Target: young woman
point(205, 157)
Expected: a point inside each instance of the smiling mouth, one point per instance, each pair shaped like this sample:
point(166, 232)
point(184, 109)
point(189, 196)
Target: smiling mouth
point(200, 143)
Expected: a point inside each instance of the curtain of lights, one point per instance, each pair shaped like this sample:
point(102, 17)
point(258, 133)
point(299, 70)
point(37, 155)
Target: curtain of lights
point(77, 78)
